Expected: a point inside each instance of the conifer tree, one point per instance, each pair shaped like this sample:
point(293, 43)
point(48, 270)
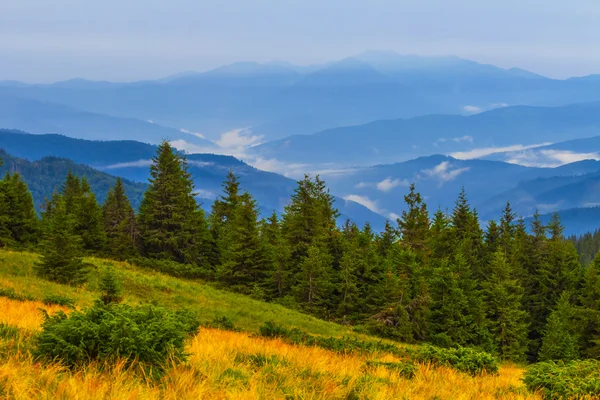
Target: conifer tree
point(277, 253)
point(222, 212)
point(244, 260)
point(560, 341)
point(313, 280)
point(19, 224)
point(110, 287)
point(168, 216)
point(508, 320)
point(120, 223)
point(386, 239)
point(61, 249)
point(413, 225)
point(90, 224)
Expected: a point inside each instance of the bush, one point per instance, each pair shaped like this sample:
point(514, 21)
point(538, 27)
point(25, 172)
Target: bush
point(225, 323)
point(11, 294)
point(462, 359)
point(58, 300)
point(146, 334)
point(560, 380)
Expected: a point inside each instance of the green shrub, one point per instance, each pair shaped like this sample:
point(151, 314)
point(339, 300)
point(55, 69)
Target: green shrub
point(565, 380)
point(58, 300)
point(147, 334)
point(404, 369)
point(258, 360)
point(11, 294)
point(225, 323)
point(462, 359)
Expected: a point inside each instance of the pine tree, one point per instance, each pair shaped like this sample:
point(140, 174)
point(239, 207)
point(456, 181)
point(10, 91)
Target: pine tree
point(90, 224)
point(590, 310)
point(19, 225)
point(244, 260)
point(413, 225)
point(110, 287)
point(508, 321)
point(277, 254)
point(560, 339)
point(168, 216)
point(120, 224)
point(222, 212)
point(61, 249)
point(313, 280)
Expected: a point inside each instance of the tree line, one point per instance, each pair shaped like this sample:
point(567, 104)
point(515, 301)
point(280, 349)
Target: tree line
point(518, 292)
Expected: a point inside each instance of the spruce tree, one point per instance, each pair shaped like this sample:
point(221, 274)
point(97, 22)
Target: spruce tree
point(168, 216)
point(222, 213)
point(413, 225)
point(508, 321)
point(313, 280)
point(244, 260)
point(560, 341)
point(277, 253)
point(19, 225)
point(90, 224)
point(61, 249)
point(110, 287)
point(120, 224)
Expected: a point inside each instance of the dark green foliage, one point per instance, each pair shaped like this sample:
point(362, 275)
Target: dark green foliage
point(120, 225)
point(11, 294)
point(110, 287)
point(560, 339)
point(61, 249)
point(146, 334)
point(462, 359)
point(406, 370)
point(19, 225)
point(169, 219)
point(225, 323)
point(560, 380)
point(58, 300)
point(258, 360)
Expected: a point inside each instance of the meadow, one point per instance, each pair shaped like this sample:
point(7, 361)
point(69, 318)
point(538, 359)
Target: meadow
point(221, 364)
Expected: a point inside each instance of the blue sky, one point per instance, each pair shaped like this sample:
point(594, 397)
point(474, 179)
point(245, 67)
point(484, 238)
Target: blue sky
point(42, 40)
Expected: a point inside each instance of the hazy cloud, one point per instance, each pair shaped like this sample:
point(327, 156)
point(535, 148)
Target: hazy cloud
point(444, 172)
point(548, 158)
point(388, 184)
point(364, 201)
point(466, 138)
point(472, 109)
point(139, 163)
point(486, 151)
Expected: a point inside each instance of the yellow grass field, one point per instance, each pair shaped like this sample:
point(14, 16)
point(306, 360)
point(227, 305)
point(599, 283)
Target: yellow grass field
point(234, 365)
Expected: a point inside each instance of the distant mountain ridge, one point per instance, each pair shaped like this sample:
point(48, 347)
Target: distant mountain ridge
point(131, 160)
point(279, 99)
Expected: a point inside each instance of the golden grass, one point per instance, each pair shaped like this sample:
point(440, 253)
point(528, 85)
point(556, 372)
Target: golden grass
point(25, 314)
point(221, 366)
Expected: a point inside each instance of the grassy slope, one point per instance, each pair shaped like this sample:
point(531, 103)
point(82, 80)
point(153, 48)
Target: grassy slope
point(218, 366)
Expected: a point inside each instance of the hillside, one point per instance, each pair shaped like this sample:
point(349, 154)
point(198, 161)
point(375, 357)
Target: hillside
point(222, 364)
point(130, 159)
point(46, 175)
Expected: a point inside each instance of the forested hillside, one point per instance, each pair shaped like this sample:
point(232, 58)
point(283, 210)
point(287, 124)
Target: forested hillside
point(431, 278)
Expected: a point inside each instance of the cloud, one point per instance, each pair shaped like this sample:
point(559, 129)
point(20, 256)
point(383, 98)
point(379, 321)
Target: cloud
point(200, 164)
point(388, 184)
point(280, 167)
point(499, 105)
point(486, 151)
point(444, 172)
point(362, 185)
point(465, 138)
point(135, 164)
point(204, 194)
point(364, 201)
point(393, 216)
point(472, 109)
point(548, 158)
point(239, 139)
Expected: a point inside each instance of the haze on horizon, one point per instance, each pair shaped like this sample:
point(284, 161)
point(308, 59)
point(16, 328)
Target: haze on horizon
point(42, 41)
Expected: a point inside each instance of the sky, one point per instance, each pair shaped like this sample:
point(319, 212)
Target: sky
point(125, 40)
